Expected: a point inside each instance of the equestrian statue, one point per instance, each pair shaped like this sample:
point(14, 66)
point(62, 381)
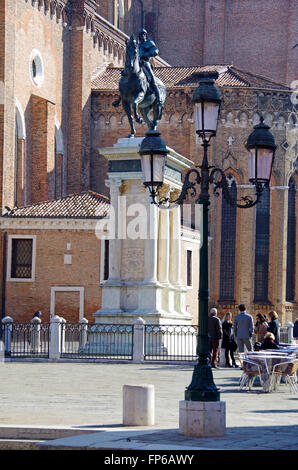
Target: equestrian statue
point(139, 89)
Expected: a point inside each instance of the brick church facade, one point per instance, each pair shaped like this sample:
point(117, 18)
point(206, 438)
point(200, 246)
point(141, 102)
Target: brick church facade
point(60, 65)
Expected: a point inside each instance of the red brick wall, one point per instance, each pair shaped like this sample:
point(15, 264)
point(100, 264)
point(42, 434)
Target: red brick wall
point(42, 150)
point(255, 35)
point(24, 298)
point(2, 65)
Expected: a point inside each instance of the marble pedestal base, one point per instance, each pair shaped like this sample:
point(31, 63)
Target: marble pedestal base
point(202, 419)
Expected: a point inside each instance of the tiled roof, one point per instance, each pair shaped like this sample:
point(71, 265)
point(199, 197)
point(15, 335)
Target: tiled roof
point(87, 204)
point(177, 77)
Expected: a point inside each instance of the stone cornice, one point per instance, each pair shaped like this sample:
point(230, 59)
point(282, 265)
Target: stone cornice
point(47, 224)
point(55, 8)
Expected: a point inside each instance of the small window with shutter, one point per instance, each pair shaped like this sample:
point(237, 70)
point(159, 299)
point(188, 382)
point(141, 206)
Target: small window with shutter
point(21, 254)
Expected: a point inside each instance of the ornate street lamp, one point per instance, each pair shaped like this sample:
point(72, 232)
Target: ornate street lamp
point(261, 147)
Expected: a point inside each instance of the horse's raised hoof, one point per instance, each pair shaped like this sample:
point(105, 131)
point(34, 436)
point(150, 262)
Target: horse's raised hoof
point(131, 136)
point(139, 120)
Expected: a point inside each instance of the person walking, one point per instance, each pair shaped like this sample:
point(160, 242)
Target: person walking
point(274, 326)
point(228, 342)
point(243, 329)
point(261, 327)
point(215, 335)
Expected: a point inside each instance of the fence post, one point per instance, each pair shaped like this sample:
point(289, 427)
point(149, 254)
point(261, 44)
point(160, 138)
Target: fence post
point(290, 327)
point(7, 326)
point(138, 341)
point(55, 337)
point(83, 332)
point(63, 322)
point(35, 334)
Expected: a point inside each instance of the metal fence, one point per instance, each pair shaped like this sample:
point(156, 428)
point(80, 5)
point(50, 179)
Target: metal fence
point(27, 340)
point(83, 341)
point(170, 342)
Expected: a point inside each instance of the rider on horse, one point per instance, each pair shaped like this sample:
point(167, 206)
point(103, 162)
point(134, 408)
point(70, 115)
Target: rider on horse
point(148, 49)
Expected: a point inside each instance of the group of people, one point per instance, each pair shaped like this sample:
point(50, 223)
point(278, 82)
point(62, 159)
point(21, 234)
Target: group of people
point(238, 334)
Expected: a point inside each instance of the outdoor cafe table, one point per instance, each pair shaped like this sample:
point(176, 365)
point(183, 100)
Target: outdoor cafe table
point(266, 360)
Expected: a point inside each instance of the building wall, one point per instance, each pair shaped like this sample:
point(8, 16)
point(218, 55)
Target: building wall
point(259, 36)
point(241, 109)
point(24, 298)
point(73, 44)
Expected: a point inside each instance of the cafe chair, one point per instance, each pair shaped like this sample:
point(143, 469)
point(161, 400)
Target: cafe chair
point(288, 370)
point(250, 371)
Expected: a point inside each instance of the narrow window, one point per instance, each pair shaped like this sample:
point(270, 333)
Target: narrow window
point(228, 245)
point(106, 260)
point(291, 243)
point(189, 267)
point(262, 237)
point(21, 258)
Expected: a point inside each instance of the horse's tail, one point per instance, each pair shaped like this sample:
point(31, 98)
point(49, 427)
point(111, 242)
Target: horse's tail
point(117, 102)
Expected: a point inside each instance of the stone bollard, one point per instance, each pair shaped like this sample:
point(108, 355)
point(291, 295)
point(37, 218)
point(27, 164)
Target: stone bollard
point(138, 340)
point(63, 322)
point(7, 331)
point(138, 405)
point(35, 334)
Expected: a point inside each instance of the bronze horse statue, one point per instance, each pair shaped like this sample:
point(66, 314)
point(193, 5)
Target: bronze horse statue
point(136, 93)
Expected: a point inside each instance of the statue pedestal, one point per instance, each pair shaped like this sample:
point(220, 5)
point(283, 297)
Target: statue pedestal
point(144, 243)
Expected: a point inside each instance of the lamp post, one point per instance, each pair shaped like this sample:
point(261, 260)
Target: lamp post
point(261, 147)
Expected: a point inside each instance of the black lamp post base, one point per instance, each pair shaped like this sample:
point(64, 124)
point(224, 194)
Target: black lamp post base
point(202, 387)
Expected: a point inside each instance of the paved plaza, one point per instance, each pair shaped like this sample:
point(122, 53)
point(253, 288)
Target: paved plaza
point(88, 397)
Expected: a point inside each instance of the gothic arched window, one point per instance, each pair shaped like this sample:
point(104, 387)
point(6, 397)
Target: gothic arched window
point(291, 243)
point(228, 244)
point(262, 236)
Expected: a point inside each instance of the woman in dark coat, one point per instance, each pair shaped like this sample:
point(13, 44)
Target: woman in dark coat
point(228, 342)
point(274, 325)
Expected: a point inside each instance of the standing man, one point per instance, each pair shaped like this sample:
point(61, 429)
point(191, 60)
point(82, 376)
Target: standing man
point(215, 335)
point(243, 329)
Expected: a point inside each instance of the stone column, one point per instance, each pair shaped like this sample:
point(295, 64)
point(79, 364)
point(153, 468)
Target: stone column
point(278, 249)
point(175, 247)
point(150, 248)
point(115, 244)
point(164, 246)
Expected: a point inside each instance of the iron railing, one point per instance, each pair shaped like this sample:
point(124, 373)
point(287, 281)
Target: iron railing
point(81, 341)
point(170, 342)
point(27, 340)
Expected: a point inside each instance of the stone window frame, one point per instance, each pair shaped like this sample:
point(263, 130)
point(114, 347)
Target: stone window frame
point(9, 258)
point(188, 247)
point(36, 59)
point(79, 289)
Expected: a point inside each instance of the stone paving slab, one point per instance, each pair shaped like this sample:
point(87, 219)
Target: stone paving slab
point(170, 439)
point(89, 397)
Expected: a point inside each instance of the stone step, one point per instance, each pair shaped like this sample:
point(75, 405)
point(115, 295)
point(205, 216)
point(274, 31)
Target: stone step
point(42, 433)
point(18, 444)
